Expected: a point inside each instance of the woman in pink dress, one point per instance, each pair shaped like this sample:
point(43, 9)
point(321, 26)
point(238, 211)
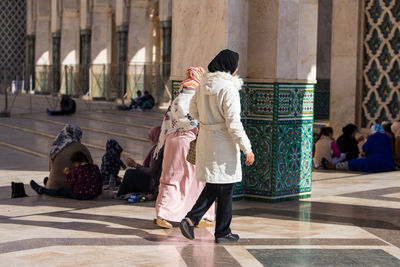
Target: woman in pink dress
point(179, 188)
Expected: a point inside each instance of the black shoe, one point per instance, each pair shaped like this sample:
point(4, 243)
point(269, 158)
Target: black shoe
point(186, 229)
point(45, 180)
point(229, 238)
point(17, 190)
point(38, 189)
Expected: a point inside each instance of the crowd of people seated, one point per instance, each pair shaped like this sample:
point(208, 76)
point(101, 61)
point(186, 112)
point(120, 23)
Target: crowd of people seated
point(380, 150)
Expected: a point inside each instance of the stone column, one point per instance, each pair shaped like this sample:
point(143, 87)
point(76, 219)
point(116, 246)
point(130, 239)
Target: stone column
point(43, 83)
point(345, 73)
point(122, 23)
point(69, 49)
point(56, 13)
point(200, 29)
point(277, 43)
point(101, 50)
point(321, 98)
point(165, 14)
point(30, 46)
point(139, 46)
point(85, 42)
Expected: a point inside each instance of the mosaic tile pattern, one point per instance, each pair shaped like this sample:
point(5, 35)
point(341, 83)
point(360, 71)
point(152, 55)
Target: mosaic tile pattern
point(278, 119)
point(381, 74)
point(12, 40)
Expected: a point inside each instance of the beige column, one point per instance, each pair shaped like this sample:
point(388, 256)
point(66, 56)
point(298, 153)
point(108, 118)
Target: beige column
point(282, 40)
point(69, 52)
point(101, 49)
point(345, 74)
point(139, 46)
point(200, 29)
point(42, 46)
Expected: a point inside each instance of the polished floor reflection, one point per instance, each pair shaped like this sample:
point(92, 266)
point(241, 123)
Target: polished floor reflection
point(352, 219)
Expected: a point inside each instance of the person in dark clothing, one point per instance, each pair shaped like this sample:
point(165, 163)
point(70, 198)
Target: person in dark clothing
point(347, 142)
point(388, 131)
point(68, 107)
point(147, 101)
point(85, 180)
point(136, 101)
point(111, 163)
point(144, 178)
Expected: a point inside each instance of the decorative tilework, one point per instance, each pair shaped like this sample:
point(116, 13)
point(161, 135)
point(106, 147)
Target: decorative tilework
point(12, 39)
point(381, 75)
point(278, 119)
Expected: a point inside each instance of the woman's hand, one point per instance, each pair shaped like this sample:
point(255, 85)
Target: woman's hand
point(249, 159)
point(66, 171)
point(131, 162)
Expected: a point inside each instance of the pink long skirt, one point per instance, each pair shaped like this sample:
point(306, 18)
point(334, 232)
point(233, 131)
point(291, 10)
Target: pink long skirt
point(179, 188)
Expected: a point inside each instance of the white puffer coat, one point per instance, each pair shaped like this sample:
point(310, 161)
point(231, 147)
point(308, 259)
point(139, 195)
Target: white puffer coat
point(216, 105)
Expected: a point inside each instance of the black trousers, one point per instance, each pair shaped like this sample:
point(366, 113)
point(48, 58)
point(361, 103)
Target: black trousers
point(211, 192)
point(63, 192)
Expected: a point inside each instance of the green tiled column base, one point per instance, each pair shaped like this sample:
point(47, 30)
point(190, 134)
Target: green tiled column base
point(278, 119)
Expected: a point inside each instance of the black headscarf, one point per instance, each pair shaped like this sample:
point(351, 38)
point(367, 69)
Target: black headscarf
point(349, 129)
point(226, 61)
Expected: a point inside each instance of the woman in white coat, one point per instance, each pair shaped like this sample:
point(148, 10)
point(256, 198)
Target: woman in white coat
point(216, 105)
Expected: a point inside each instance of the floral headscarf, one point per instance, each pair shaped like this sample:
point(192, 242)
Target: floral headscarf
point(376, 128)
point(69, 134)
point(396, 128)
point(192, 77)
point(177, 118)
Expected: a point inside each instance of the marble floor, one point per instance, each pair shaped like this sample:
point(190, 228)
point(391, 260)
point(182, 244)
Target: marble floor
point(352, 219)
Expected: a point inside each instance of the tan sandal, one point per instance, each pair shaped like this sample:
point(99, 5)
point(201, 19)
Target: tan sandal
point(162, 223)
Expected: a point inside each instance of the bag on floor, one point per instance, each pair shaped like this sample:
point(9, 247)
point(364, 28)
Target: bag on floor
point(17, 190)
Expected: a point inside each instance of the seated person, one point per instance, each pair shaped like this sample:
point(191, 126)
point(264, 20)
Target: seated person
point(85, 181)
point(347, 142)
point(396, 151)
point(144, 178)
point(386, 125)
point(377, 154)
point(67, 104)
point(147, 101)
point(111, 163)
point(136, 101)
point(67, 142)
point(325, 147)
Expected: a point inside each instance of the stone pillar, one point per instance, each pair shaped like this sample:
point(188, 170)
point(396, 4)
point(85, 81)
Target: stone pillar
point(321, 98)
point(101, 50)
point(200, 29)
point(122, 23)
point(56, 13)
point(277, 43)
point(85, 43)
point(30, 46)
point(139, 46)
point(69, 49)
point(165, 14)
point(345, 73)
point(42, 52)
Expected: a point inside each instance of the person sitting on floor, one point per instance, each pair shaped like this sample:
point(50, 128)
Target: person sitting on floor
point(386, 125)
point(85, 181)
point(325, 147)
point(67, 104)
point(376, 156)
point(67, 142)
point(396, 151)
point(111, 163)
point(136, 101)
point(147, 101)
point(144, 178)
point(347, 142)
